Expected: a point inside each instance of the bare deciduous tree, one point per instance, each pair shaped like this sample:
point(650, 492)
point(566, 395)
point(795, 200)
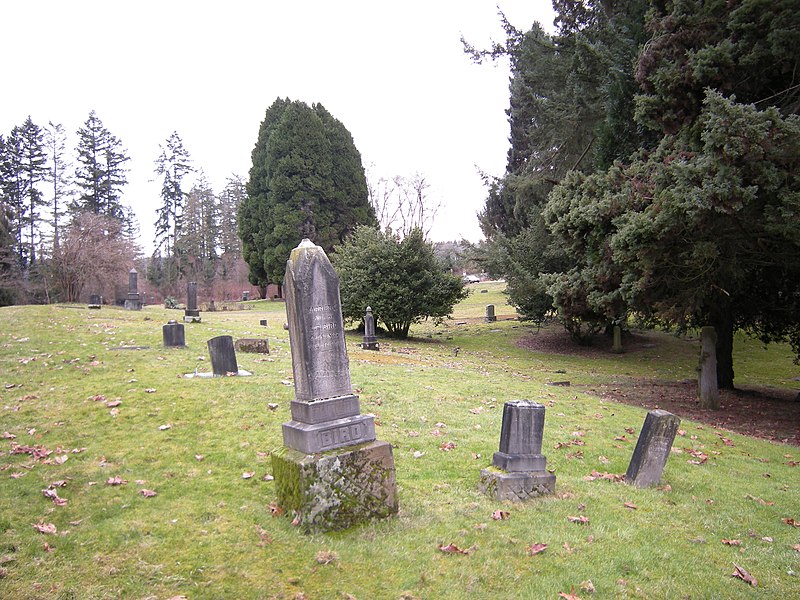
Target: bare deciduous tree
point(402, 204)
point(93, 251)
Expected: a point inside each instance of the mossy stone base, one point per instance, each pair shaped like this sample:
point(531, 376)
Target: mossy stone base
point(336, 489)
point(516, 487)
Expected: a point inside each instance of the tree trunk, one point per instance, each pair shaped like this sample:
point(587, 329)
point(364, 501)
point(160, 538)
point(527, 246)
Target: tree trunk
point(707, 387)
point(723, 325)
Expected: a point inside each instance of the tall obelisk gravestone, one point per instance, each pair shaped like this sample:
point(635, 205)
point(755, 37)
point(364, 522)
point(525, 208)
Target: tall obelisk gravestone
point(332, 473)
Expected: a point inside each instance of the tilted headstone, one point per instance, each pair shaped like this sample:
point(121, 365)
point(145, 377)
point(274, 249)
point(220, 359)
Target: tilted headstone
point(173, 334)
point(519, 472)
point(490, 316)
point(192, 313)
point(332, 473)
point(652, 448)
point(133, 301)
point(95, 301)
point(370, 339)
point(223, 355)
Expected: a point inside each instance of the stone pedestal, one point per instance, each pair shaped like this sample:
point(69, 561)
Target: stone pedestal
point(336, 490)
point(519, 468)
point(134, 300)
point(173, 334)
point(252, 345)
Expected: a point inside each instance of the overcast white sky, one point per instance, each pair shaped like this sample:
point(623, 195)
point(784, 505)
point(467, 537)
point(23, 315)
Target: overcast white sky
point(393, 72)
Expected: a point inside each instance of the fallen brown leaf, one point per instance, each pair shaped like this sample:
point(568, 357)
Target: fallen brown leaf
point(275, 510)
point(43, 527)
point(744, 575)
point(630, 505)
point(570, 596)
point(147, 493)
point(580, 519)
point(326, 557)
point(535, 549)
point(500, 515)
point(732, 542)
point(452, 549)
point(116, 480)
point(792, 522)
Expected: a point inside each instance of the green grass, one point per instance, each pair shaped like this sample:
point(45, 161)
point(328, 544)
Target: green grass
point(209, 533)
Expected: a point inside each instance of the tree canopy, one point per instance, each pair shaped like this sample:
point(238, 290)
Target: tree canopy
point(307, 181)
point(399, 278)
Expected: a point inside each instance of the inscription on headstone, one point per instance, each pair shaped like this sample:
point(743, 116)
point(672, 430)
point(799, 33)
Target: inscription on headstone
point(652, 448)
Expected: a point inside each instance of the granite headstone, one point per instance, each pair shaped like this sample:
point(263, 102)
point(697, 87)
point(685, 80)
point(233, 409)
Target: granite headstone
point(370, 339)
point(192, 313)
point(173, 334)
point(223, 355)
point(652, 448)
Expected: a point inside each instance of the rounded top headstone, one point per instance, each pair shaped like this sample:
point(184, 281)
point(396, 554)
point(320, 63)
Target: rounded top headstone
point(171, 322)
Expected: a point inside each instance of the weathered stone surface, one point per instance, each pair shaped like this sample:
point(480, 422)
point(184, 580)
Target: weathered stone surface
point(522, 428)
point(616, 346)
point(516, 487)
point(336, 490)
point(652, 448)
point(173, 334)
point(490, 316)
point(329, 409)
point(95, 301)
point(316, 329)
point(328, 435)
point(707, 384)
point(223, 355)
point(252, 345)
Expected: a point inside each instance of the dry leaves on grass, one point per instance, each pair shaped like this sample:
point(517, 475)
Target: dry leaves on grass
point(52, 494)
point(581, 520)
point(447, 446)
point(326, 557)
point(744, 575)
point(47, 528)
point(275, 510)
point(570, 596)
point(594, 475)
point(500, 515)
point(732, 542)
point(147, 493)
point(116, 480)
point(630, 505)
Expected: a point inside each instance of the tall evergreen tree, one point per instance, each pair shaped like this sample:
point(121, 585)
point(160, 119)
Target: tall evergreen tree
point(199, 235)
point(307, 181)
point(14, 191)
point(101, 172)
point(33, 166)
point(58, 175)
point(230, 199)
point(172, 166)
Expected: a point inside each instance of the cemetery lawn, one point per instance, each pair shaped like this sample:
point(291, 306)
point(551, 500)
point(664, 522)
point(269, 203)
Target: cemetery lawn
point(121, 479)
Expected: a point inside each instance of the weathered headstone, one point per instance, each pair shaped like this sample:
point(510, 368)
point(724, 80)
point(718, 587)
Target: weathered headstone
point(652, 448)
point(490, 316)
point(95, 301)
point(332, 472)
point(519, 471)
point(223, 355)
point(370, 339)
point(263, 322)
point(173, 334)
point(133, 301)
point(245, 295)
point(616, 346)
point(707, 384)
point(192, 313)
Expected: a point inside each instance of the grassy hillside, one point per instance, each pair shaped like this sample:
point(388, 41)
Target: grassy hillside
point(94, 425)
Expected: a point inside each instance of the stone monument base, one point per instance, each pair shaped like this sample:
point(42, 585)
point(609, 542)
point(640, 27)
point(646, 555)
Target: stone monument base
point(337, 489)
point(252, 345)
point(133, 304)
point(517, 487)
point(311, 438)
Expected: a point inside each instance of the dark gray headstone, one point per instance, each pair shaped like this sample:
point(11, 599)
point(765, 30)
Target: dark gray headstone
point(521, 437)
point(173, 334)
point(245, 296)
point(652, 448)
point(192, 313)
point(370, 339)
point(522, 474)
point(223, 355)
point(95, 301)
point(134, 300)
point(490, 316)
point(319, 358)
point(616, 346)
point(263, 322)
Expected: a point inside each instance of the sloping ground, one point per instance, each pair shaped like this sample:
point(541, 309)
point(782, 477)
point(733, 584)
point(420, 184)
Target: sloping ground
point(762, 412)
